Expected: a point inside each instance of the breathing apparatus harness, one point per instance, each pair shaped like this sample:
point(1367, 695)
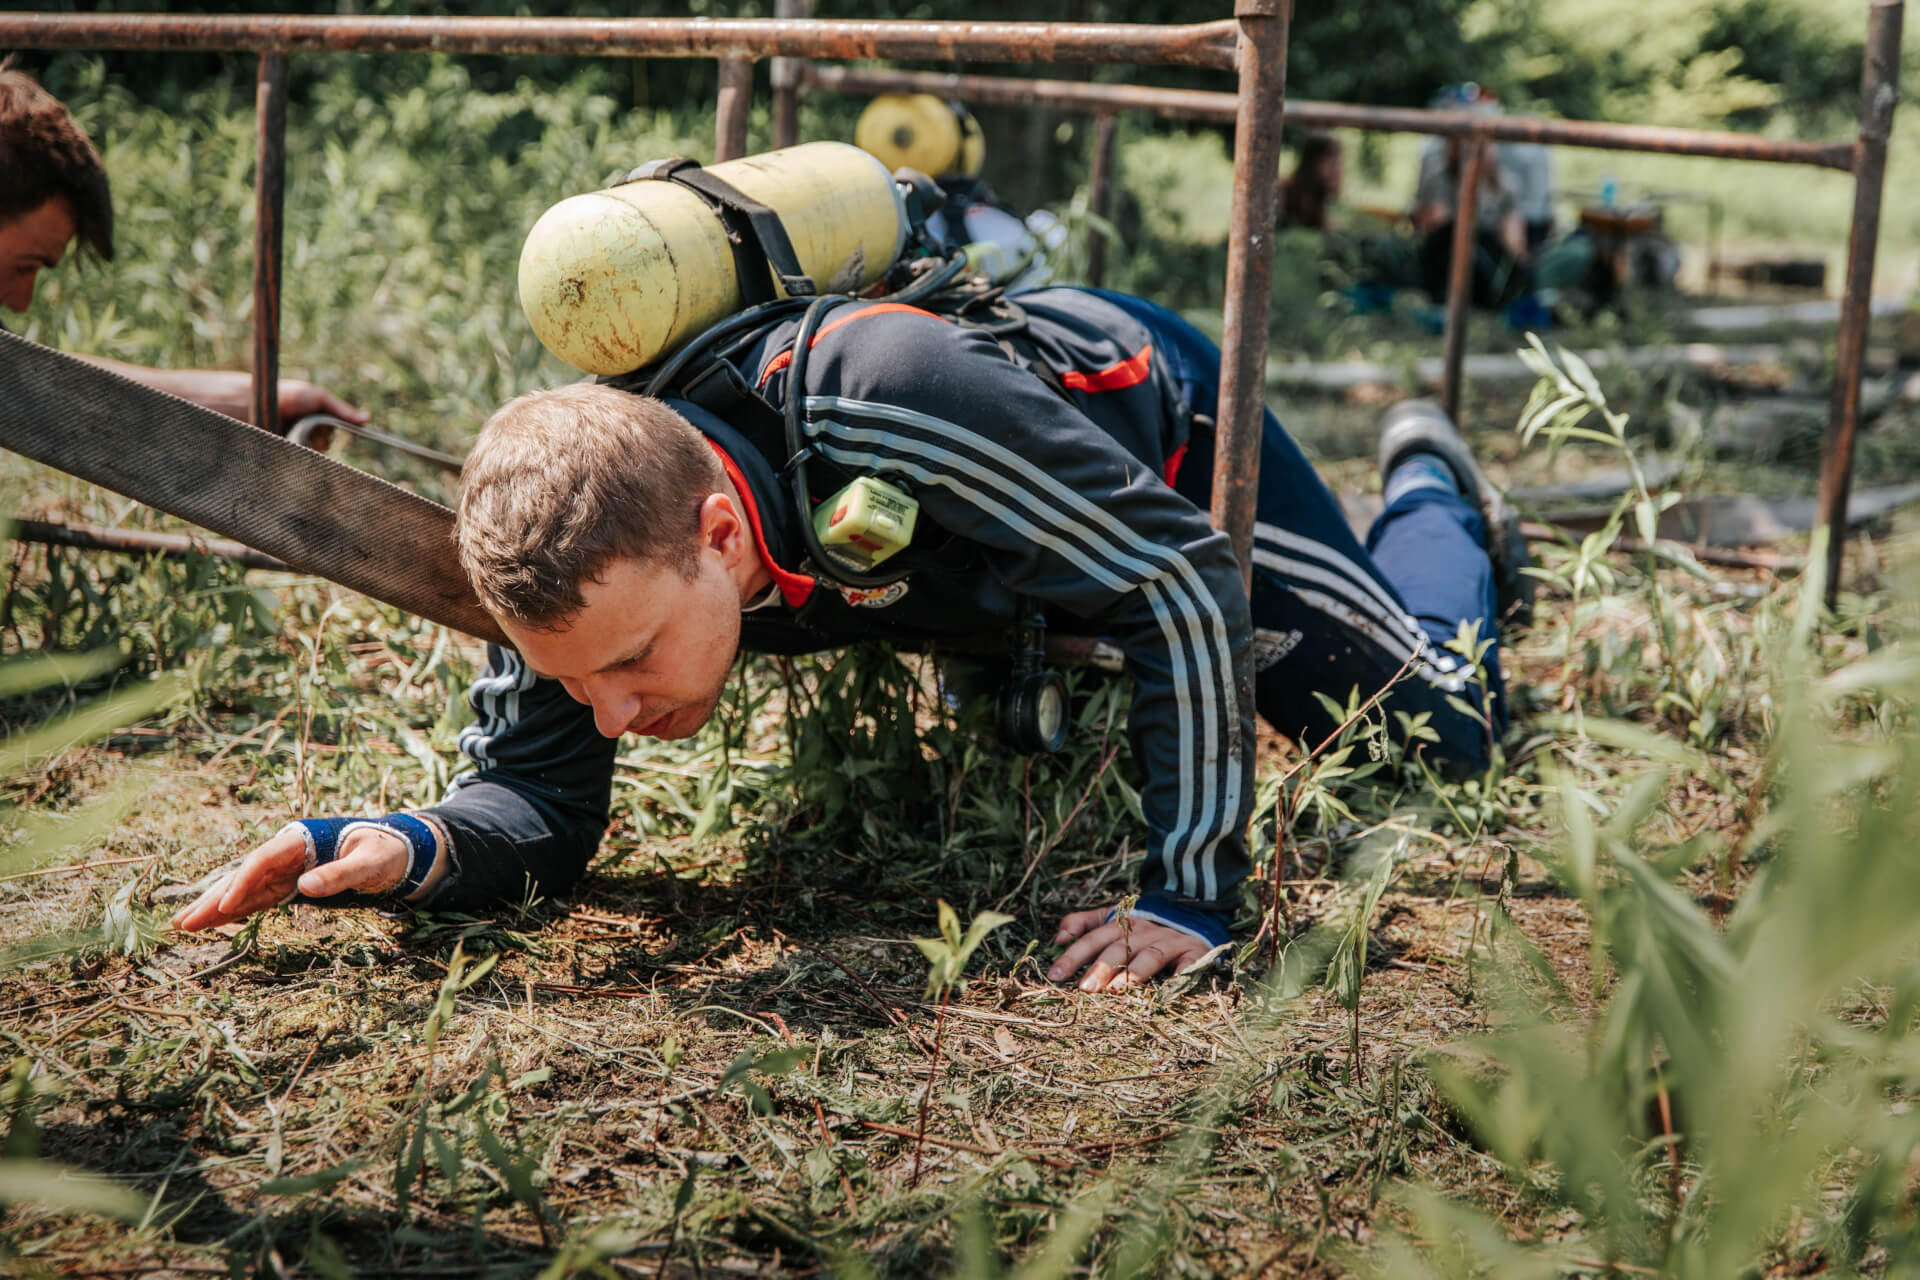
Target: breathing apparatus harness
point(1031, 708)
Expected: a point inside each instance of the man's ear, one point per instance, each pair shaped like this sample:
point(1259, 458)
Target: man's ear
point(724, 530)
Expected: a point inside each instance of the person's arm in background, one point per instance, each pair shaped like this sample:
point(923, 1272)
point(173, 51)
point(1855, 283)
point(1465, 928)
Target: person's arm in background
point(1513, 235)
point(1433, 192)
point(230, 392)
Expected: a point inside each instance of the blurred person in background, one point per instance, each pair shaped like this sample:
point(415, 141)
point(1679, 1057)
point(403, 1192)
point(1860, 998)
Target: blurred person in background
point(53, 191)
point(1529, 166)
point(1309, 193)
point(1502, 256)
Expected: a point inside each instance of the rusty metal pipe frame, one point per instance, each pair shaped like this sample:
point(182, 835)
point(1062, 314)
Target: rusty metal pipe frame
point(1099, 189)
point(1221, 108)
point(1206, 44)
point(174, 546)
point(786, 76)
point(733, 108)
point(1879, 92)
point(1243, 335)
point(1466, 215)
point(1254, 43)
point(269, 204)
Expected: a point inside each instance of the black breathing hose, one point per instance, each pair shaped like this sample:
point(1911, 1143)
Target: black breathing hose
point(799, 450)
point(658, 384)
point(794, 416)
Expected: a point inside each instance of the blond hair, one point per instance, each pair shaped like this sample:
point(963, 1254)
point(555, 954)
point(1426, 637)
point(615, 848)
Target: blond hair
point(561, 482)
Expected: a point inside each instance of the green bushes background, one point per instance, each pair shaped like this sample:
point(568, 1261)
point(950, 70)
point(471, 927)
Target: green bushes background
point(502, 137)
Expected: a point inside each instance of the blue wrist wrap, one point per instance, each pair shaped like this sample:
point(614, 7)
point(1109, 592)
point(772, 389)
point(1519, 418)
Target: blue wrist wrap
point(324, 837)
point(1208, 925)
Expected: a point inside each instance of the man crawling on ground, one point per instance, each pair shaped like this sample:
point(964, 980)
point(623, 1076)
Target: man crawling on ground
point(629, 547)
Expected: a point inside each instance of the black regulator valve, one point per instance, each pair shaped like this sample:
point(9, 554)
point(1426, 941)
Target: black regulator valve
point(921, 196)
point(1031, 711)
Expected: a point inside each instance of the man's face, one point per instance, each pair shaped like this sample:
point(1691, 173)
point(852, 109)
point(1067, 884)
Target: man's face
point(29, 244)
point(651, 649)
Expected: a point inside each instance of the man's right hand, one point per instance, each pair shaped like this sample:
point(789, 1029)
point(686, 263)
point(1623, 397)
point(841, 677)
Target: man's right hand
point(371, 861)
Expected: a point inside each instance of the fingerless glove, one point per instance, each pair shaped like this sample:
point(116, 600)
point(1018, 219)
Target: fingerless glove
point(325, 835)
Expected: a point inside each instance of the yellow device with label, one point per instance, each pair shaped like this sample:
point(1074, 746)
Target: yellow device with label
point(865, 523)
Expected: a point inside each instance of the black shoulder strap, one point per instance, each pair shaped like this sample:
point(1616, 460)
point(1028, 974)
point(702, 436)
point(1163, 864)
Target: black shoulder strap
point(722, 390)
point(758, 237)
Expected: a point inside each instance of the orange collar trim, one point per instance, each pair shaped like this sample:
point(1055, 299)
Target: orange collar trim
point(795, 588)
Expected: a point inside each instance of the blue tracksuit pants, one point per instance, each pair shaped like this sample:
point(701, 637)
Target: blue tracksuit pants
point(1331, 616)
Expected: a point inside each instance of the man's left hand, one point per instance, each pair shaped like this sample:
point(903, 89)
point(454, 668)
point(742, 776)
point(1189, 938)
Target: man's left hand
point(1118, 953)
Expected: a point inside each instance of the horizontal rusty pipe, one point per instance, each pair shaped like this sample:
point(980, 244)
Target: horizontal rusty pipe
point(1220, 108)
point(1598, 135)
point(1723, 557)
point(1206, 44)
point(1066, 650)
point(174, 546)
point(1012, 91)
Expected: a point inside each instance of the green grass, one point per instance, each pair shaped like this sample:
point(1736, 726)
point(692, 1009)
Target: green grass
point(1639, 1000)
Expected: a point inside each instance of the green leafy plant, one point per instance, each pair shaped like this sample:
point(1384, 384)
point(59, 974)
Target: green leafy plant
point(1729, 1070)
point(947, 957)
point(1347, 971)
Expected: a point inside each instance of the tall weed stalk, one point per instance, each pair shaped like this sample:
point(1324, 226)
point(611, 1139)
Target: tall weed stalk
point(1742, 1095)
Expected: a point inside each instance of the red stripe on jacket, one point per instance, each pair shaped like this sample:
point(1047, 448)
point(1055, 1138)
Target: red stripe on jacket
point(794, 587)
point(785, 358)
point(1115, 377)
point(1172, 472)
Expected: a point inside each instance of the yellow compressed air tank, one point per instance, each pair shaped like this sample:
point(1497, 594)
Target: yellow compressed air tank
point(921, 131)
point(613, 280)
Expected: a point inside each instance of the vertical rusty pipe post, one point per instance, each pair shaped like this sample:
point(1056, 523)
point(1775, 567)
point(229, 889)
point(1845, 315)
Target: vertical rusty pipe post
point(1099, 182)
point(732, 108)
point(1879, 91)
point(1466, 212)
point(787, 75)
point(1243, 337)
point(269, 202)
point(1713, 241)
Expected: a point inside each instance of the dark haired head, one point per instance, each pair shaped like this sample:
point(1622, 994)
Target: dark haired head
point(45, 154)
